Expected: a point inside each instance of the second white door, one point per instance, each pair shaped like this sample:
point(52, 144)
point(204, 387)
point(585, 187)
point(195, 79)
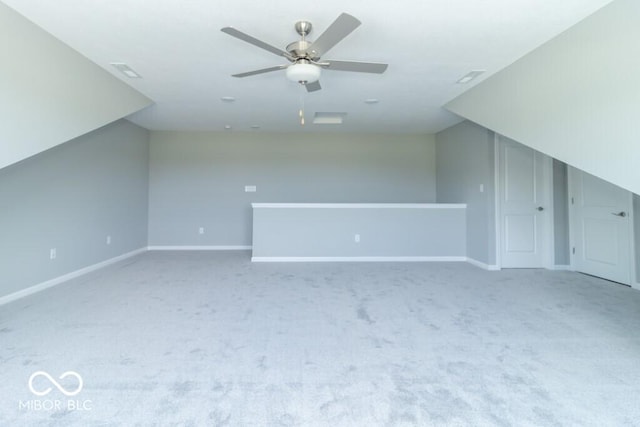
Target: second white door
point(600, 227)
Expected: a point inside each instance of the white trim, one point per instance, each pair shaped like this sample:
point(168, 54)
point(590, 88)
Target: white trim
point(557, 267)
point(482, 265)
point(549, 257)
point(358, 259)
point(200, 248)
point(496, 199)
point(571, 213)
point(61, 279)
point(633, 274)
point(360, 205)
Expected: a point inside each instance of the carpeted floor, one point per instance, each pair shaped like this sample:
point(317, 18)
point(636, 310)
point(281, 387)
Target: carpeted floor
point(210, 339)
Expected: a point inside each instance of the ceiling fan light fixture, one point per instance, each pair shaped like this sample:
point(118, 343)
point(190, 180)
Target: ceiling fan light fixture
point(303, 73)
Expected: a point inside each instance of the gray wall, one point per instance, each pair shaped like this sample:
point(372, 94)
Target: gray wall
point(389, 231)
point(71, 197)
point(197, 179)
point(465, 159)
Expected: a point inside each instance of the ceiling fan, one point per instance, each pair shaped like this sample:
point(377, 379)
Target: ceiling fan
point(305, 56)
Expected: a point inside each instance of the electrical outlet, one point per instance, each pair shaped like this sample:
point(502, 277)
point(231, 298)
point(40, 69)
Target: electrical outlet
point(201, 230)
point(108, 240)
point(53, 253)
point(250, 188)
point(356, 238)
point(482, 188)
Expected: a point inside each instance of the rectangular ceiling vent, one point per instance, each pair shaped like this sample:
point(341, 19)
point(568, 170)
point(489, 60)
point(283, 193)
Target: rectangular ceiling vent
point(328, 118)
point(126, 70)
point(470, 76)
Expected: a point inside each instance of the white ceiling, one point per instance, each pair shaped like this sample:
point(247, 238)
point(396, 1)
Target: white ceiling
point(186, 61)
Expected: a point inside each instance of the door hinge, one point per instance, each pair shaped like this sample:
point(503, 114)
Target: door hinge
point(573, 250)
point(572, 201)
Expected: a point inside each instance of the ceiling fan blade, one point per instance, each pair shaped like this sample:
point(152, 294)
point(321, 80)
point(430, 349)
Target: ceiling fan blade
point(254, 41)
point(360, 67)
point(261, 71)
point(341, 28)
point(314, 86)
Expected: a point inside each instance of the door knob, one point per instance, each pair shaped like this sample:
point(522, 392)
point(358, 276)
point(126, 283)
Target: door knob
point(622, 214)
point(540, 208)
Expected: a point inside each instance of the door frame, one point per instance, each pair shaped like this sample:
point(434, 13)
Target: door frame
point(574, 227)
point(547, 246)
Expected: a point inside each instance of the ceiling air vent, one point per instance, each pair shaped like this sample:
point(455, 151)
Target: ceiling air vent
point(328, 118)
point(126, 70)
point(469, 76)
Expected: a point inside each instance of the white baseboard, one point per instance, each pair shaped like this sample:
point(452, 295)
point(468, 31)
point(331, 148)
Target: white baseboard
point(358, 259)
point(199, 248)
point(53, 282)
point(482, 265)
point(489, 267)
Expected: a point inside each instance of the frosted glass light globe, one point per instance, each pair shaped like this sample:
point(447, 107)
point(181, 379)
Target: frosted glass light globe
point(307, 73)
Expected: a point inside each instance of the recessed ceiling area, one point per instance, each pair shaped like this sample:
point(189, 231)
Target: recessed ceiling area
point(186, 62)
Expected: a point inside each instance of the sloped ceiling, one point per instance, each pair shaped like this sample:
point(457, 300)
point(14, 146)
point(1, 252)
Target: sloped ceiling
point(49, 93)
point(576, 98)
point(186, 62)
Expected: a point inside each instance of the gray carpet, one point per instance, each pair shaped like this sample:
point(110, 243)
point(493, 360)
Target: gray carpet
point(209, 339)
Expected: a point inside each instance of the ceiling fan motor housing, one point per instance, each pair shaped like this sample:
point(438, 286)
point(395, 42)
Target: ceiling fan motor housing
point(299, 48)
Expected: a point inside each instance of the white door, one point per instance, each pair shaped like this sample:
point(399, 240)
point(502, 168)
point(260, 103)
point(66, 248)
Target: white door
point(524, 206)
point(600, 227)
